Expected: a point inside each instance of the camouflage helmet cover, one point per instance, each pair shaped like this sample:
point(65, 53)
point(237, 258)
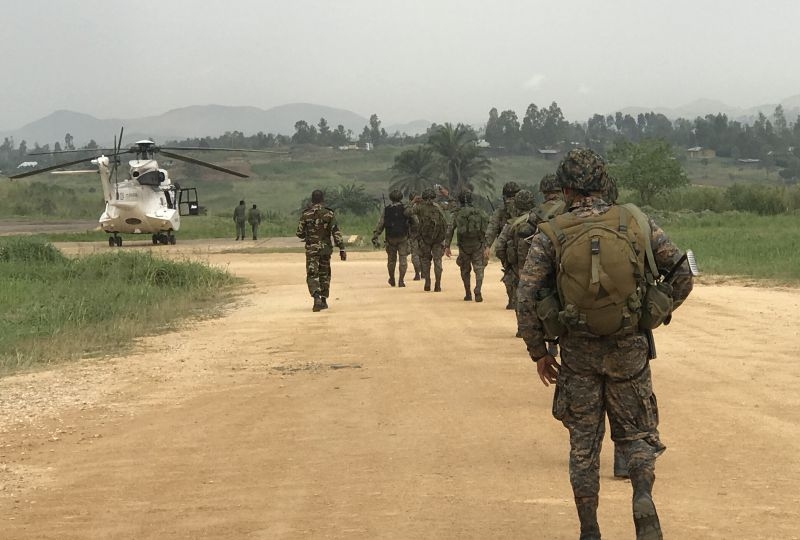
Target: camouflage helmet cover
point(465, 197)
point(549, 183)
point(428, 194)
point(524, 200)
point(612, 193)
point(510, 189)
point(583, 169)
point(395, 195)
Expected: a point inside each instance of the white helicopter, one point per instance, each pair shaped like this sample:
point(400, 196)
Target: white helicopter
point(147, 202)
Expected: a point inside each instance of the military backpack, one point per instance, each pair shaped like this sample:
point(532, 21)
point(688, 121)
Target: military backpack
point(395, 221)
point(432, 223)
point(470, 222)
point(605, 275)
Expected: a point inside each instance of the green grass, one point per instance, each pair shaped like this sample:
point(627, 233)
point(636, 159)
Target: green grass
point(740, 244)
point(55, 308)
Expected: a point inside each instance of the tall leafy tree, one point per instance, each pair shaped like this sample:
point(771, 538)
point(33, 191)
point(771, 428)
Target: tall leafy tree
point(649, 168)
point(415, 169)
point(462, 161)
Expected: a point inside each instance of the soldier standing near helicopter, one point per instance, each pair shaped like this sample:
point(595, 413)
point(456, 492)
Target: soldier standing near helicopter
point(239, 216)
point(254, 219)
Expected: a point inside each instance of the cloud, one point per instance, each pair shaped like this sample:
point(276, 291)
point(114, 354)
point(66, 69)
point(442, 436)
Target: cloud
point(535, 80)
point(584, 90)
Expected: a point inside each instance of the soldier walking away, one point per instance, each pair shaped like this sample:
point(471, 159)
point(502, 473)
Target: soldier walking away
point(239, 219)
point(320, 231)
point(496, 223)
point(511, 246)
point(591, 279)
point(432, 228)
point(413, 239)
point(254, 219)
point(396, 224)
point(470, 223)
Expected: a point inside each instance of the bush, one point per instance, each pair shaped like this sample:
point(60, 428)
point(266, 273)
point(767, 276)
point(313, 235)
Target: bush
point(763, 200)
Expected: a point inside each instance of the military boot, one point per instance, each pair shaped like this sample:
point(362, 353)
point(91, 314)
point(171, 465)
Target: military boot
point(437, 286)
point(324, 302)
point(620, 464)
point(401, 282)
point(645, 518)
point(427, 286)
point(478, 285)
point(416, 275)
point(391, 279)
point(317, 302)
point(467, 292)
point(587, 514)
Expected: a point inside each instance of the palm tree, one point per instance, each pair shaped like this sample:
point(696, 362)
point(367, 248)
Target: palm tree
point(415, 169)
point(461, 159)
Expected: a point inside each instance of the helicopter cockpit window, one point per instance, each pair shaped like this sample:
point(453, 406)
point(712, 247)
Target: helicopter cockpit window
point(150, 178)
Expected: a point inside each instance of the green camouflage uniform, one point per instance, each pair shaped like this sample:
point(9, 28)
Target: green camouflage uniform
point(413, 241)
point(470, 254)
point(599, 374)
point(429, 252)
point(497, 221)
point(317, 225)
point(239, 219)
point(397, 246)
point(254, 219)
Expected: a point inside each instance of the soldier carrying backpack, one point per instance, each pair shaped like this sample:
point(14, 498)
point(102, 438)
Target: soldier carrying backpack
point(590, 280)
point(470, 224)
point(397, 226)
point(431, 224)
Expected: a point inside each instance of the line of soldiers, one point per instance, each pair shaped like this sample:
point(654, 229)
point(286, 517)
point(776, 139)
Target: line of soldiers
point(251, 216)
point(585, 273)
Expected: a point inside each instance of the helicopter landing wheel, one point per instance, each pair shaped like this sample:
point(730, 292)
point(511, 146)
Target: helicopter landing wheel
point(155, 239)
point(111, 242)
point(172, 239)
point(118, 241)
point(163, 239)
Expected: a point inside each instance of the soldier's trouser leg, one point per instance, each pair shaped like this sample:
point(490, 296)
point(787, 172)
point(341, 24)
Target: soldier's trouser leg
point(478, 266)
point(437, 252)
point(312, 271)
point(240, 230)
point(402, 255)
point(325, 275)
point(425, 259)
point(391, 252)
point(587, 514)
point(510, 281)
point(255, 231)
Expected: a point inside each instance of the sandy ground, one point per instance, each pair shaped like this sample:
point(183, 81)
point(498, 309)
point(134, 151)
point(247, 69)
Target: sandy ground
point(394, 414)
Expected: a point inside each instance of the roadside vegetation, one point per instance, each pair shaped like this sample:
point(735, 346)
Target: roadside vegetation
point(56, 308)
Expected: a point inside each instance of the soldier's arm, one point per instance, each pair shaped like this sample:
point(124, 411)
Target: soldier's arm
point(502, 240)
point(337, 234)
point(448, 236)
point(301, 229)
point(493, 229)
point(667, 255)
point(538, 274)
point(379, 227)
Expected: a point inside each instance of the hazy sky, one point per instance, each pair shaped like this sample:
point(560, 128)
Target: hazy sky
point(437, 60)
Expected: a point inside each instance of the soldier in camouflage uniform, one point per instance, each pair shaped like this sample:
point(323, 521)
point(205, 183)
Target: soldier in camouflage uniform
point(432, 228)
point(413, 239)
point(470, 244)
point(396, 224)
point(254, 219)
point(496, 223)
point(317, 225)
point(511, 246)
point(598, 375)
point(239, 218)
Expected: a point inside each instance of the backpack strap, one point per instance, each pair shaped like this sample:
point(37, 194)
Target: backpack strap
point(644, 225)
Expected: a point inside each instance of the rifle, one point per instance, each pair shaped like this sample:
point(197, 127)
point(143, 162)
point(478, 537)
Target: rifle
point(383, 196)
point(490, 203)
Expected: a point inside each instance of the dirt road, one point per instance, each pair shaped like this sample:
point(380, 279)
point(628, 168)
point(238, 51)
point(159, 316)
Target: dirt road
point(395, 414)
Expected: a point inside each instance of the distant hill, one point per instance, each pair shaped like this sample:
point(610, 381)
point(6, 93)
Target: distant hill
point(193, 121)
point(416, 127)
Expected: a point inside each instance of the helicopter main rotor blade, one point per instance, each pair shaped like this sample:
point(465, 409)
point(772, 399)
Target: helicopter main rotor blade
point(202, 163)
point(85, 150)
point(52, 167)
point(192, 148)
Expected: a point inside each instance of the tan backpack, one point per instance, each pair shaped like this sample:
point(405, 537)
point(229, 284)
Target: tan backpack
point(600, 275)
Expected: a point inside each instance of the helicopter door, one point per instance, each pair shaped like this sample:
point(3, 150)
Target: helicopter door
point(187, 202)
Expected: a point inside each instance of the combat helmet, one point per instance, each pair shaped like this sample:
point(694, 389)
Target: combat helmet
point(524, 200)
point(584, 170)
point(549, 183)
point(510, 189)
point(395, 195)
point(428, 194)
point(465, 197)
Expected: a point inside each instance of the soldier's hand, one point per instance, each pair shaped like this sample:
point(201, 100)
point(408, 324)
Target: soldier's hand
point(486, 253)
point(342, 255)
point(447, 252)
point(547, 367)
point(375, 243)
